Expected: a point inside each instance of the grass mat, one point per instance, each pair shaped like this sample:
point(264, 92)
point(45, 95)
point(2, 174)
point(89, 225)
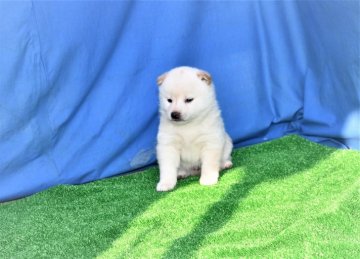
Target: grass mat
point(285, 198)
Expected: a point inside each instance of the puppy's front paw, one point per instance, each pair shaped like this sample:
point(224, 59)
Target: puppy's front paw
point(165, 186)
point(209, 180)
point(227, 164)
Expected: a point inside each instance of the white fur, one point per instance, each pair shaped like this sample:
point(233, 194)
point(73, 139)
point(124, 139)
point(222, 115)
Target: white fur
point(199, 140)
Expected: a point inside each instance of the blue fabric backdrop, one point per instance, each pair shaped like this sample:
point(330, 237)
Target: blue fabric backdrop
point(78, 94)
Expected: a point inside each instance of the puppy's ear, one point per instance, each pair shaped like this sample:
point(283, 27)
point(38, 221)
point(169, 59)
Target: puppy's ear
point(161, 79)
point(204, 76)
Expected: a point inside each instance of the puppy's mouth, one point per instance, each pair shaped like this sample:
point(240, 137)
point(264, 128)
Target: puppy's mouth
point(177, 120)
point(180, 121)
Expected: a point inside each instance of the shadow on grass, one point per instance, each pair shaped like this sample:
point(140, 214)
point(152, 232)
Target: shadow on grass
point(263, 163)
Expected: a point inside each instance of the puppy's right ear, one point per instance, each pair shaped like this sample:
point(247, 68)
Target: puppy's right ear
point(161, 79)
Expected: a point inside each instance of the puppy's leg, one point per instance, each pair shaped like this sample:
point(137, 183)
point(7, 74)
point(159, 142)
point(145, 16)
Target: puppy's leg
point(210, 166)
point(169, 160)
point(226, 159)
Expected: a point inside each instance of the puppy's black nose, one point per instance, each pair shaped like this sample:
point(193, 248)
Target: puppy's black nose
point(176, 116)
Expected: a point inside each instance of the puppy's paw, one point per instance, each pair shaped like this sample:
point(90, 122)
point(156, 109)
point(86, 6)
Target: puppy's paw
point(209, 180)
point(182, 174)
point(165, 186)
point(227, 164)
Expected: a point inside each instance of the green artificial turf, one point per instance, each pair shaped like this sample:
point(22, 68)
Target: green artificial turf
point(288, 198)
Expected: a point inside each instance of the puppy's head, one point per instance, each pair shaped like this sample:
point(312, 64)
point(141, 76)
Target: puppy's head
point(185, 93)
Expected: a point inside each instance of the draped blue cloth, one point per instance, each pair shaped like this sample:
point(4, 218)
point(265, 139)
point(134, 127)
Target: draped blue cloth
point(78, 93)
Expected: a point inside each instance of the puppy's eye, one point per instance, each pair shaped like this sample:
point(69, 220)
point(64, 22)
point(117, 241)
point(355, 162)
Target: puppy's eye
point(169, 100)
point(189, 100)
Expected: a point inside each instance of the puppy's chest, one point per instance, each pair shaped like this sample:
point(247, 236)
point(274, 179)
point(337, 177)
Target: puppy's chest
point(190, 152)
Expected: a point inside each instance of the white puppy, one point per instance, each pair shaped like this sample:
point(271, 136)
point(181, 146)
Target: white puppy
point(191, 134)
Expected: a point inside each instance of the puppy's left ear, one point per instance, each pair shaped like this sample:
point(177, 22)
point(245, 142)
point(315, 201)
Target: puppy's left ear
point(204, 76)
point(161, 79)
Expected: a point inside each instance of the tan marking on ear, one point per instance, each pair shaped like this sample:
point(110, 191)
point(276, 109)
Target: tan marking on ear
point(204, 76)
point(161, 79)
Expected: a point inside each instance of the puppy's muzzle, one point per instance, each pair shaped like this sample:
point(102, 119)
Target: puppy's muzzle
point(176, 116)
